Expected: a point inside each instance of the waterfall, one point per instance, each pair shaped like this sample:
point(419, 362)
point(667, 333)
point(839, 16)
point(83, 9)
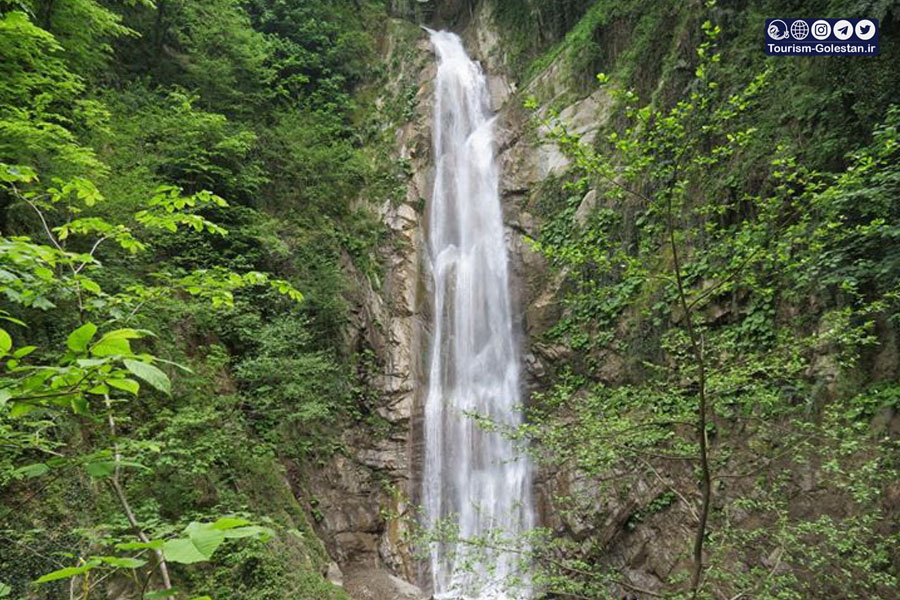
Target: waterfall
point(474, 479)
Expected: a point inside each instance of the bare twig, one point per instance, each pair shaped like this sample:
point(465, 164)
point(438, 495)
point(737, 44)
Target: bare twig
point(126, 506)
point(671, 488)
point(697, 346)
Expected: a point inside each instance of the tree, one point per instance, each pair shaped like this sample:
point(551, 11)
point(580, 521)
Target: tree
point(95, 374)
point(723, 408)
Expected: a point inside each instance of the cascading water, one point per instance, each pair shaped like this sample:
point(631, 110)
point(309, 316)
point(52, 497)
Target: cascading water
point(475, 481)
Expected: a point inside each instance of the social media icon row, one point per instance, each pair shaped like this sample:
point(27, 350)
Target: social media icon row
point(822, 29)
point(843, 29)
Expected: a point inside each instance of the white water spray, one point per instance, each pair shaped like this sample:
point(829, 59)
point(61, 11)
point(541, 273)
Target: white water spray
point(474, 479)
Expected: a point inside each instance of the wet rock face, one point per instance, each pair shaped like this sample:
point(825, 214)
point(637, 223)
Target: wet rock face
point(377, 584)
point(449, 14)
point(362, 496)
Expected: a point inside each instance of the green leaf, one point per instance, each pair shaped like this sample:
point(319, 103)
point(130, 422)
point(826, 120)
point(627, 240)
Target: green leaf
point(100, 469)
point(111, 347)
point(90, 285)
point(123, 563)
point(24, 351)
point(152, 545)
point(129, 385)
point(182, 550)
point(44, 273)
point(263, 533)
point(230, 523)
point(150, 374)
point(205, 537)
point(35, 470)
point(105, 468)
point(80, 405)
point(66, 573)
point(126, 334)
point(160, 594)
point(87, 363)
point(20, 409)
point(79, 339)
point(5, 342)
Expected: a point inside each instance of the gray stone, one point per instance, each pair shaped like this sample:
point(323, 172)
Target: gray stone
point(334, 574)
point(586, 207)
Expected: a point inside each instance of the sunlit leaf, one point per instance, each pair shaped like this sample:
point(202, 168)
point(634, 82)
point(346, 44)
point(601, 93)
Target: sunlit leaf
point(79, 339)
point(182, 550)
point(150, 374)
point(5, 342)
point(129, 385)
point(111, 347)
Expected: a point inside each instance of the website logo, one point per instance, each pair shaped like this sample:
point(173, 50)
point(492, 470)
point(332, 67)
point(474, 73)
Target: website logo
point(821, 37)
point(777, 30)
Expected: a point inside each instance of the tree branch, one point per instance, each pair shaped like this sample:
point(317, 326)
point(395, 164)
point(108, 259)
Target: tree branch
point(126, 506)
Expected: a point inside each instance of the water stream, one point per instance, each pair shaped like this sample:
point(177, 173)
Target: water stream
point(475, 481)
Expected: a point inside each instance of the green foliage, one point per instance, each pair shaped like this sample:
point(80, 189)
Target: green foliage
point(288, 387)
point(39, 101)
point(320, 50)
point(85, 29)
point(723, 298)
point(164, 134)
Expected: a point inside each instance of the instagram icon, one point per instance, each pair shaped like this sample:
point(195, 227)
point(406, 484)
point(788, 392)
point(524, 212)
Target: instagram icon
point(821, 29)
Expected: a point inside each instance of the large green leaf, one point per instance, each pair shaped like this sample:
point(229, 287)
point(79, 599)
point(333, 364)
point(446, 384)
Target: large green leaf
point(100, 468)
point(205, 537)
point(202, 540)
point(150, 374)
point(68, 572)
point(20, 409)
point(24, 351)
point(62, 574)
point(105, 468)
point(182, 550)
point(5, 342)
point(112, 346)
point(79, 339)
point(126, 334)
point(129, 385)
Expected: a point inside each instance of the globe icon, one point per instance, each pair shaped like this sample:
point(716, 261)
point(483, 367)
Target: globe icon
point(799, 29)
